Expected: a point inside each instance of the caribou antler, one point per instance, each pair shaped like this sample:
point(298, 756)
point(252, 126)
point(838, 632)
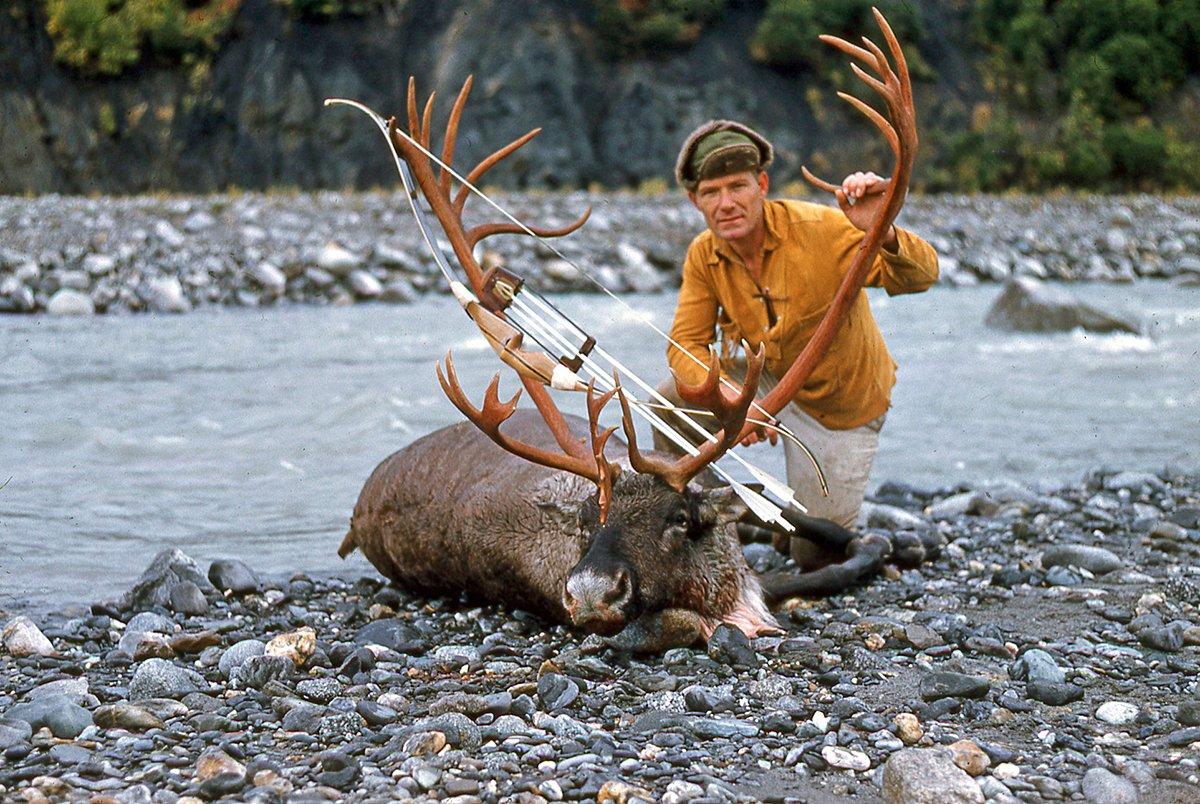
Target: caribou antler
point(730, 415)
point(901, 133)
point(575, 457)
point(436, 188)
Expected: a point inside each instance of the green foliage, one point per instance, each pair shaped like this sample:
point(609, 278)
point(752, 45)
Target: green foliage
point(643, 27)
point(1109, 63)
point(105, 36)
point(331, 8)
point(786, 36)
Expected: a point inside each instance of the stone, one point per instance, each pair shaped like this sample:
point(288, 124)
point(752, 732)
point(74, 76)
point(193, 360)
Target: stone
point(1053, 692)
point(297, 646)
point(268, 276)
point(154, 586)
point(556, 691)
point(1101, 786)
point(126, 716)
point(171, 237)
point(364, 285)
point(616, 791)
point(232, 575)
point(1027, 305)
point(69, 302)
point(1095, 560)
point(927, 776)
point(63, 717)
point(237, 653)
point(424, 743)
point(908, 728)
point(1189, 713)
point(391, 634)
point(1036, 665)
point(214, 762)
point(707, 728)
point(14, 733)
point(257, 671)
point(165, 294)
point(953, 685)
point(845, 758)
point(187, 598)
point(338, 261)
point(970, 757)
point(889, 517)
point(23, 638)
point(1117, 713)
point(159, 678)
point(398, 290)
point(1168, 638)
point(728, 645)
point(99, 264)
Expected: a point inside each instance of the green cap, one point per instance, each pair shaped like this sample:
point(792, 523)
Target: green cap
point(719, 148)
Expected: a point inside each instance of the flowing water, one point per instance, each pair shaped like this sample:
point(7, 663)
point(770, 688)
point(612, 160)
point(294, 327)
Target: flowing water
point(249, 434)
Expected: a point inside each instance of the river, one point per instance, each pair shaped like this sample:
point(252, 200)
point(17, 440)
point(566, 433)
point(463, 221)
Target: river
point(249, 433)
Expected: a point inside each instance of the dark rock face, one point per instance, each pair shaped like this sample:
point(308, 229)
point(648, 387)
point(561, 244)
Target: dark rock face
point(255, 118)
point(1027, 305)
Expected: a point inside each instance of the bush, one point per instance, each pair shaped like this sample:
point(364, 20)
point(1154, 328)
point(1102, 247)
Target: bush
point(786, 36)
point(1086, 161)
point(106, 36)
point(330, 8)
point(1138, 151)
point(642, 27)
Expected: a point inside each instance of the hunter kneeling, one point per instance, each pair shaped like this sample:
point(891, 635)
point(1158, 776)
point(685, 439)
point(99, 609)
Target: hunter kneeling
point(765, 272)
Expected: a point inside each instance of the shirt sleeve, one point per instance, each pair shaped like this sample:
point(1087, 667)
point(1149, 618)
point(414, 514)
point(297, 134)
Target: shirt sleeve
point(694, 327)
point(912, 269)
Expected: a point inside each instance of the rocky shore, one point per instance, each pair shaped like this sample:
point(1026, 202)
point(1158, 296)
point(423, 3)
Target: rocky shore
point(1049, 653)
point(71, 255)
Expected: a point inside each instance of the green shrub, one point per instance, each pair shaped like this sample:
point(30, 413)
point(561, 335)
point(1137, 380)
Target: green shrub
point(1086, 161)
point(106, 36)
point(1138, 151)
point(644, 27)
point(331, 8)
point(787, 35)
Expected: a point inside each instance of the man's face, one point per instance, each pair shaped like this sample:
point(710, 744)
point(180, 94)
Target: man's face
point(732, 205)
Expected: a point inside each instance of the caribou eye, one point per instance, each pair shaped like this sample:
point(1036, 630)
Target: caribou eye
point(680, 519)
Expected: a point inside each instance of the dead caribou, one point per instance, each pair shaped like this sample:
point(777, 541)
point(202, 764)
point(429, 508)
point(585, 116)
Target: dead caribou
point(613, 541)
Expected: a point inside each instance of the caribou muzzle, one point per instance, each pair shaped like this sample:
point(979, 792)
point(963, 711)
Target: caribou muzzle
point(599, 599)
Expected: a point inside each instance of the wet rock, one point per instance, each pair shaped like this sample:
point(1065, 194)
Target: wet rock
point(1095, 560)
point(23, 638)
point(1027, 305)
point(391, 634)
point(232, 575)
point(953, 685)
point(187, 598)
point(126, 716)
point(927, 776)
point(970, 757)
point(238, 653)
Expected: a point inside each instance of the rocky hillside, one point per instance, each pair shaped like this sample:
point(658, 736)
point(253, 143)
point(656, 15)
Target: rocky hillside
point(250, 114)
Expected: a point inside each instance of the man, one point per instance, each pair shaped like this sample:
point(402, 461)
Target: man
point(765, 272)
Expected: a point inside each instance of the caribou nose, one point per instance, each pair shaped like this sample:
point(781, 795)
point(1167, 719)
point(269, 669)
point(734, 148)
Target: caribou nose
point(598, 601)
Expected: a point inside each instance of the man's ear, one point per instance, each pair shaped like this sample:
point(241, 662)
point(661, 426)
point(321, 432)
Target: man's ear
point(692, 197)
point(764, 181)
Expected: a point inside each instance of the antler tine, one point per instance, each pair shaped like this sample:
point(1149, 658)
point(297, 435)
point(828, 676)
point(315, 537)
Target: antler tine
point(427, 120)
point(413, 126)
point(641, 463)
point(451, 138)
point(875, 117)
point(494, 413)
point(897, 53)
point(488, 229)
point(487, 164)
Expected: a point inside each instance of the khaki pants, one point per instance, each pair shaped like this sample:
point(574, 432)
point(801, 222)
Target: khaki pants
point(845, 456)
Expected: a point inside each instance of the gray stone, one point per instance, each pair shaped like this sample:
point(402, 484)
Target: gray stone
point(65, 718)
point(232, 575)
point(165, 294)
point(953, 685)
point(23, 638)
point(150, 621)
point(364, 285)
point(1054, 693)
point(237, 653)
point(398, 290)
point(186, 598)
point(269, 277)
point(1095, 560)
point(169, 235)
point(159, 678)
point(889, 517)
point(257, 671)
point(556, 691)
point(1027, 305)
point(156, 583)
point(927, 776)
point(1104, 787)
point(14, 732)
point(1117, 713)
point(729, 646)
point(338, 261)
point(706, 728)
point(99, 264)
point(1036, 665)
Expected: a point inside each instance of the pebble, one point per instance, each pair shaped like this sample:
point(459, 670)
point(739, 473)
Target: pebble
point(953, 685)
point(927, 776)
point(1117, 713)
point(1096, 560)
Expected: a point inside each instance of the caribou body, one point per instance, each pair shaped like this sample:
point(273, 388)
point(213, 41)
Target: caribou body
point(609, 539)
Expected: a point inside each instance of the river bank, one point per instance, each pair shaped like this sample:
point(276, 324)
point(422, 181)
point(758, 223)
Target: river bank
point(108, 255)
point(1049, 653)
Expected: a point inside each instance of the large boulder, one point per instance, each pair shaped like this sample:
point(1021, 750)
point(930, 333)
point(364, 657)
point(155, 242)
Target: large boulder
point(927, 776)
point(1027, 305)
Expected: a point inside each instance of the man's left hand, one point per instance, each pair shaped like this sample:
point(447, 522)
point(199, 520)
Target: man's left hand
point(861, 197)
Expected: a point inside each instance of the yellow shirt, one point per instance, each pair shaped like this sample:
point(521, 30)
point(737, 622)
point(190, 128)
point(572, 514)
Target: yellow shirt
point(807, 249)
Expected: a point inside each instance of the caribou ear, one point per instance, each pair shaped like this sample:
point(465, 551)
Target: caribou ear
point(721, 506)
point(564, 516)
